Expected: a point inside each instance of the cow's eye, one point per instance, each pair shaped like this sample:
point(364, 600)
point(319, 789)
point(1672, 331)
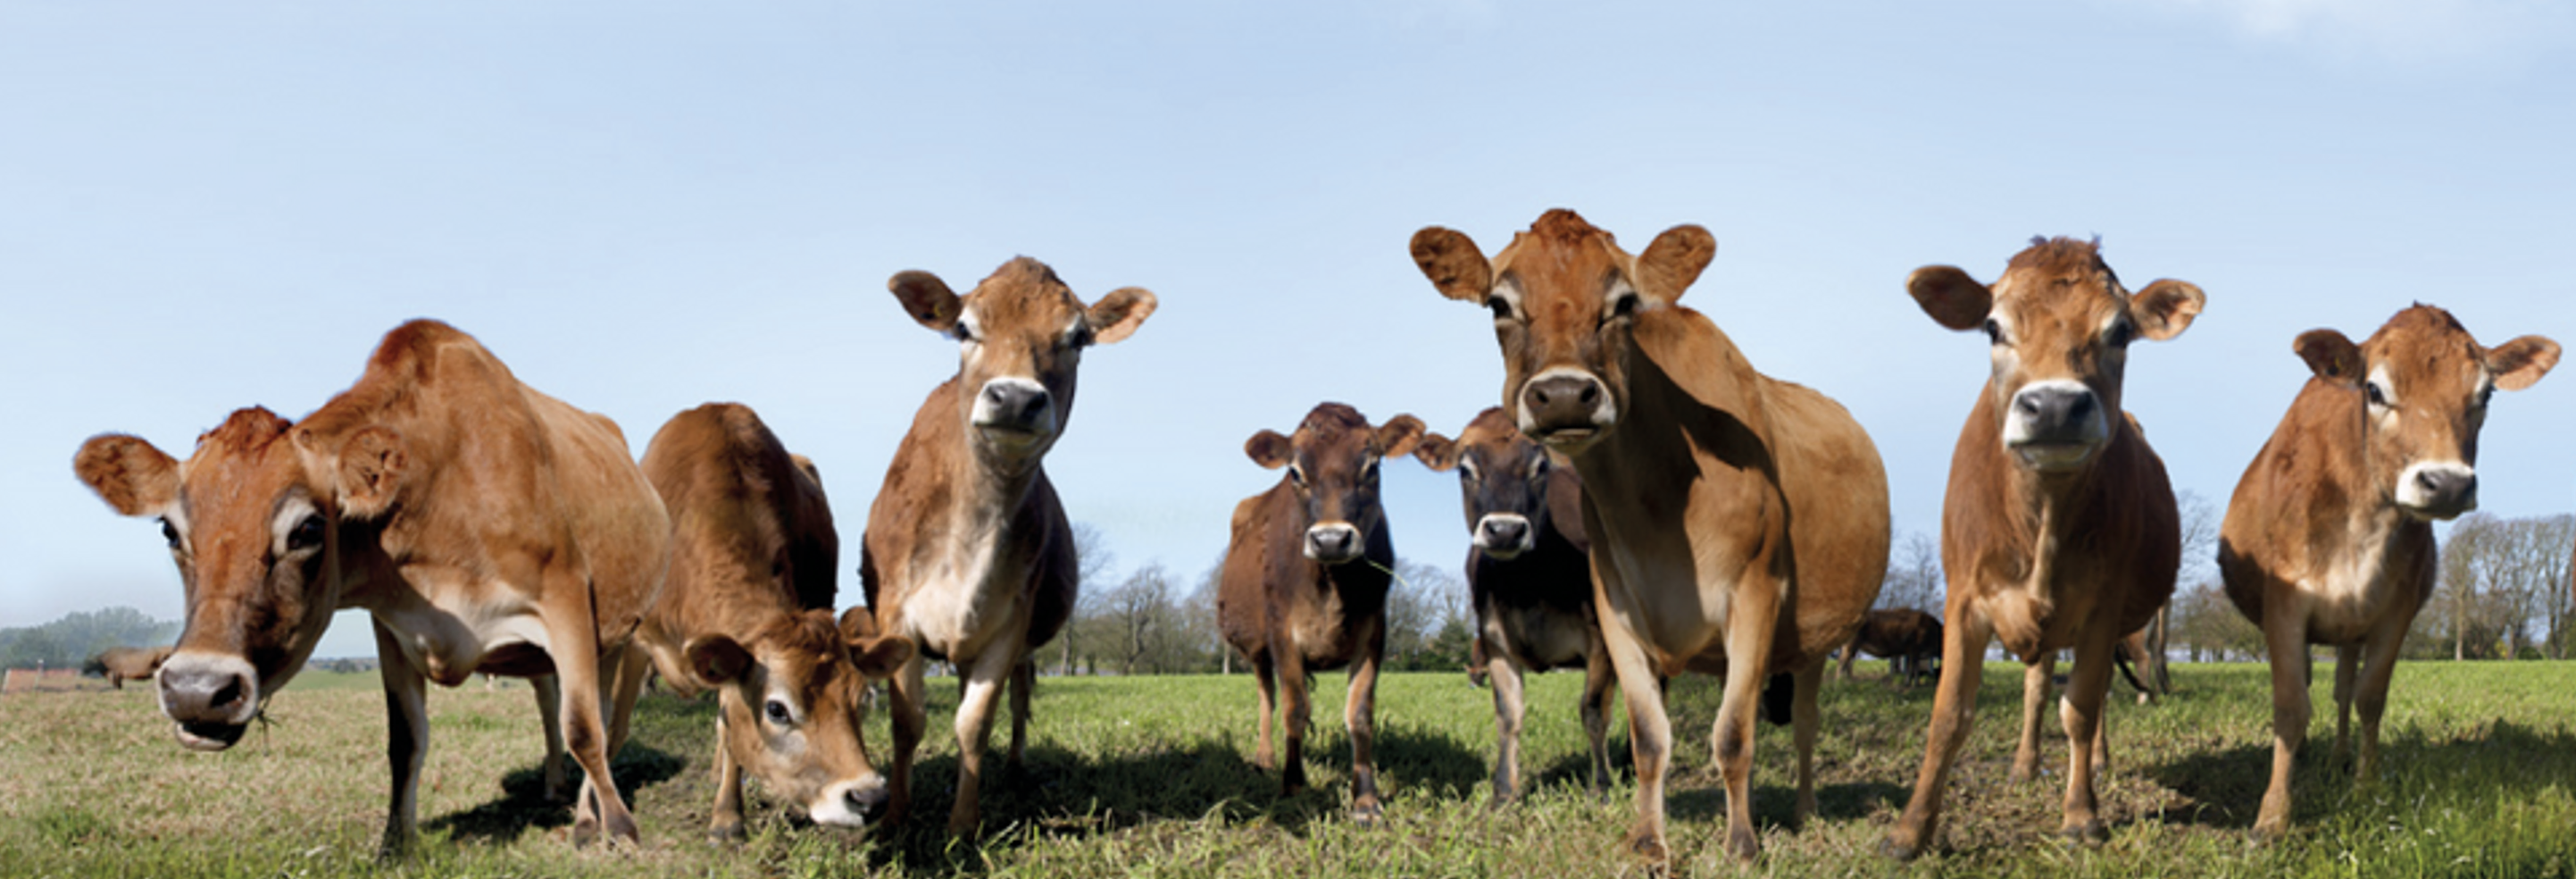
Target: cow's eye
point(2485, 394)
point(1501, 307)
point(1297, 475)
point(1538, 468)
point(1368, 470)
point(307, 534)
point(1994, 332)
point(1466, 470)
point(2378, 398)
point(2122, 334)
point(1623, 306)
point(170, 533)
point(778, 713)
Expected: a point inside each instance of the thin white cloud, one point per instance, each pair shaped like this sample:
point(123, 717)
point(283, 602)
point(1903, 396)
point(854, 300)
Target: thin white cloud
point(2412, 31)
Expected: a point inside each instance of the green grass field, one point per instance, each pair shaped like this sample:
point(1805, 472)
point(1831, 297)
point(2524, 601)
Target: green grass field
point(1148, 777)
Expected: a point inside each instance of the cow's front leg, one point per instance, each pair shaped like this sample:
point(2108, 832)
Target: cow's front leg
point(1954, 712)
point(1359, 717)
point(974, 728)
point(1749, 627)
point(2037, 679)
point(406, 739)
point(1510, 706)
point(574, 647)
point(2086, 695)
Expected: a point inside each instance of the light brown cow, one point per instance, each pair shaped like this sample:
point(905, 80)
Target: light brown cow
point(967, 551)
point(121, 664)
point(748, 612)
point(2059, 528)
point(484, 525)
point(1908, 638)
point(1304, 582)
point(1739, 523)
point(2328, 539)
point(1529, 578)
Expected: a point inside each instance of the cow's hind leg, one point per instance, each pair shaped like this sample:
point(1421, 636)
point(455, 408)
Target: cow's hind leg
point(1024, 685)
point(1804, 722)
point(1266, 674)
point(2036, 680)
point(2349, 659)
point(549, 694)
point(1599, 685)
point(907, 715)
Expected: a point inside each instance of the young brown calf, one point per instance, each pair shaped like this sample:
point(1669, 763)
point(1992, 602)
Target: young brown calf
point(2328, 539)
point(748, 612)
point(2059, 529)
point(967, 551)
point(1303, 586)
point(1529, 578)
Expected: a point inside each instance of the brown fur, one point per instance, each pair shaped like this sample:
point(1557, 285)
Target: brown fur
point(121, 664)
point(748, 612)
point(1909, 638)
point(1291, 614)
point(2046, 553)
point(486, 526)
point(2318, 546)
point(1739, 522)
point(967, 552)
point(1533, 608)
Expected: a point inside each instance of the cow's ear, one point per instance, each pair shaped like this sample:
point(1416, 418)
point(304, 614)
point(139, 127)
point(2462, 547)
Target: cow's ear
point(2166, 308)
point(1397, 437)
point(927, 299)
point(2519, 363)
point(717, 659)
point(1953, 299)
point(132, 476)
point(880, 656)
point(1269, 449)
point(858, 622)
point(1452, 262)
point(2331, 356)
point(1674, 261)
point(1117, 315)
point(1438, 452)
point(370, 466)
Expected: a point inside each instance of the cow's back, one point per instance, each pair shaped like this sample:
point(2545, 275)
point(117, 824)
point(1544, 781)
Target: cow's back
point(1836, 490)
point(1244, 578)
point(615, 515)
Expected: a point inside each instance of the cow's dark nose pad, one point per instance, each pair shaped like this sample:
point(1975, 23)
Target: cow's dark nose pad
point(1562, 402)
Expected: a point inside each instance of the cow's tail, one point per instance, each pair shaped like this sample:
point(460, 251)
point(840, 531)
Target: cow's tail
point(2120, 660)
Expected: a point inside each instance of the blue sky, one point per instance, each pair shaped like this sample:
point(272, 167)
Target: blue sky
point(645, 206)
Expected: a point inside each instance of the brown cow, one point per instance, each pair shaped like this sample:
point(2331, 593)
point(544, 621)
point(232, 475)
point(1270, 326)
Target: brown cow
point(967, 551)
point(2328, 539)
point(1304, 582)
point(748, 612)
point(1739, 522)
point(484, 525)
point(121, 664)
point(1529, 577)
point(2059, 529)
point(1909, 639)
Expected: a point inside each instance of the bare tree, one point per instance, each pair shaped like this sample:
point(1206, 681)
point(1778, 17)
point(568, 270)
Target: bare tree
point(1142, 609)
point(1092, 560)
point(1914, 576)
point(1420, 601)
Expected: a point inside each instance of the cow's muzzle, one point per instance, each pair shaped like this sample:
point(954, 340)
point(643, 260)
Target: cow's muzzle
point(1565, 408)
point(1333, 542)
point(2055, 425)
point(2438, 489)
point(1503, 536)
point(1015, 410)
point(212, 698)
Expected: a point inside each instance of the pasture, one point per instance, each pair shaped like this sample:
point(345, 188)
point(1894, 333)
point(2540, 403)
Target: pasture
point(1148, 777)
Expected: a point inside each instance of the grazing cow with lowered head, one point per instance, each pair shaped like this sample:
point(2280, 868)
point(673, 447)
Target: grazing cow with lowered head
point(967, 551)
point(1738, 522)
point(1529, 577)
point(2329, 537)
point(121, 664)
point(1909, 639)
point(1304, 582)
point(748, 612)
point(483, 525)
point(2059, 529)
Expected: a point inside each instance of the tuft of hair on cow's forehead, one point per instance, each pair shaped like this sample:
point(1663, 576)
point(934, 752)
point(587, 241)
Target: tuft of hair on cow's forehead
point(234, 448)
point(2423, 333)
point(2064, 258)
point(1561, 242)
point(1023, 288)
point(812, 635)
point(1331, 420)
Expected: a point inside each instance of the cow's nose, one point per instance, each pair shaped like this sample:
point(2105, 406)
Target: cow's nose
point(206, 692)
point(2055, 413)
point(1015, 405)
point(2447, 489)
point(1563, 401)
point(868, 800)
point(1502, 536)
point(1332, 542)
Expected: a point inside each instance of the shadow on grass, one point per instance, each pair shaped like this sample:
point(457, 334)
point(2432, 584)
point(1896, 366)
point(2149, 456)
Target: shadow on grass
point(523, 802)
point(1701, 797)
point(2224, 788)
point(1057, 793)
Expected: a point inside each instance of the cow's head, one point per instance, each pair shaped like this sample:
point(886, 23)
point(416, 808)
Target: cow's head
point(2060, 325)
point(1565, 299)
point(257, 539)
point(792, 711)
point(1504, 477)
point(1021, 333)
point(2424, 384)
point(1332, 463)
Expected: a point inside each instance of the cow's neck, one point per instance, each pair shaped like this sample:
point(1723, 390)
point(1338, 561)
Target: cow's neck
point(1667, 431)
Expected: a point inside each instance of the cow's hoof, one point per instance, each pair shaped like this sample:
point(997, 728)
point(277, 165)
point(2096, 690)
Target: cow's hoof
point(1744, 845)
point(2085, 835)
point(1899, 851)
point(1367, 814)
point(726, 834)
